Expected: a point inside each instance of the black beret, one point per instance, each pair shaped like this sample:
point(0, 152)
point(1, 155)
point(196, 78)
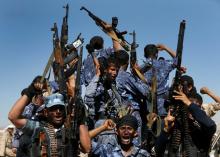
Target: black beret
point(128, 120)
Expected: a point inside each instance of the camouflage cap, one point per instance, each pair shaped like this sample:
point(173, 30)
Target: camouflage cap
point(54, 99)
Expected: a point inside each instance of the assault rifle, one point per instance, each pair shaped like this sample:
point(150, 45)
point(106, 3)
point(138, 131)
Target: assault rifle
point(74, 109)
point(156, 127)
point(133, 55)
point(58, 64)
point(64, 53)
point(133, 58)
point(69, 51)
point(64, 32)
point(77, 101)
point(180, 134)
point(109, 30)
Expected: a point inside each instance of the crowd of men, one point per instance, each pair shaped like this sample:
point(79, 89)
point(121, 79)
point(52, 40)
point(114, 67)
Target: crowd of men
point(128, 109)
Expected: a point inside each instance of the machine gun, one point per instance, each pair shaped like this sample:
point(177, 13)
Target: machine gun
point(180, 134)
point(109, 30)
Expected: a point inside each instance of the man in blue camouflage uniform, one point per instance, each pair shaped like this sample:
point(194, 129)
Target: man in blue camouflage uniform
point(131, 89)
point(95, 49)
point(161, 68)
point(103, 98)
point(126, 130)
point(96, 46)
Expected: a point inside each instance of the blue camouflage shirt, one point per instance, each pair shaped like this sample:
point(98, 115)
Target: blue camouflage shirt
point(108, 150)
point(88, 69)
point(130, 88)
point(29, 111)
point(95, 97)
point(162, 69)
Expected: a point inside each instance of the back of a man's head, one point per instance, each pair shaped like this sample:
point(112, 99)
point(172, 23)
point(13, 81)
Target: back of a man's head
point(196, 98)
point(188, 82)
point(150, 51)
point(97, 42)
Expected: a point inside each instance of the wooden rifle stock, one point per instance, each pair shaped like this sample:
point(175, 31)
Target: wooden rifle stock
point(59, 64)
point(77, 98)
point(156, 128)
point(43, 145)
point(108, 29)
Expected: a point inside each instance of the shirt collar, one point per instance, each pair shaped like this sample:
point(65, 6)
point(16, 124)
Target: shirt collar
point(119, 149)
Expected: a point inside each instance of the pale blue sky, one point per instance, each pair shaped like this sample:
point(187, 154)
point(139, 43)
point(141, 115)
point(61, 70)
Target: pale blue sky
point(26, 40)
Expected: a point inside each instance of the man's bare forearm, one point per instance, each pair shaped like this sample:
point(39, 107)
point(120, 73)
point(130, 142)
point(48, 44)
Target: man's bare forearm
point(16, 111)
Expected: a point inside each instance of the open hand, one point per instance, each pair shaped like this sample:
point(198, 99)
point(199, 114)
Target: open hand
point(181, 96)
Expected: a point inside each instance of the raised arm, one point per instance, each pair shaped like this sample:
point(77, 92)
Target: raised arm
point(16, 111)
point(196, 112)
point(163, 139)
point(206, 90)
point(162, 47)
point(116, 45)
point(107, 125)
point(15, 114)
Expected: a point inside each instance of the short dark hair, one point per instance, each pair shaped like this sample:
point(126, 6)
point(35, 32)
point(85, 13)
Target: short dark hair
point(112, 61)
point(197, 97)
point(97, 42)
point(122, 57)
point(150, 50)
point(188, 79)
point(38, 79)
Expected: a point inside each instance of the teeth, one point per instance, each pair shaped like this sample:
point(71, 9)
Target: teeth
point(126, 140)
